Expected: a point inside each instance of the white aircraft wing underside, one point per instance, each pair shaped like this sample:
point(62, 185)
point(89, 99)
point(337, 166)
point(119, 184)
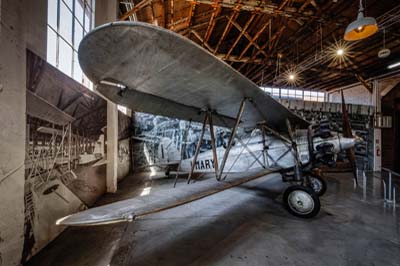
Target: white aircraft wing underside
point(127, 210)
point(167, 74)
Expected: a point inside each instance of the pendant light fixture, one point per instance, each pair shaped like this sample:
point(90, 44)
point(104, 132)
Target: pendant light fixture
point(361, 28)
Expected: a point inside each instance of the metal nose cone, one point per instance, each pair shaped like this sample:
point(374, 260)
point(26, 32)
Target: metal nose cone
point(347, 143)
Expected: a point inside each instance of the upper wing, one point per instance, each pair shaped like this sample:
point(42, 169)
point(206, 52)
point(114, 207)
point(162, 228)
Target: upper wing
point(38, 107)
point(167, 74)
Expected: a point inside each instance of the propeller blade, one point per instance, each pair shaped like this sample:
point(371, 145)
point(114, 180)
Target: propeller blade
point(348, 134)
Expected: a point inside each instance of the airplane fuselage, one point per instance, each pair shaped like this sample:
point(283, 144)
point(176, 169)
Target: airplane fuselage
point(277, 153)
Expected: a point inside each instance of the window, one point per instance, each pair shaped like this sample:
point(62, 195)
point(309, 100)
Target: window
point(299, 94)
point(307, 95)
point(314, 96)
point(67, 22)
point(284, 93)
point(275, 92)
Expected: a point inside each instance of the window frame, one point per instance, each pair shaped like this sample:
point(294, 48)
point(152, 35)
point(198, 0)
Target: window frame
point(88, 6)
point(295, 94)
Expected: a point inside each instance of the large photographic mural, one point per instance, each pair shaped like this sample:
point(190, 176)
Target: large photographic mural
point(159, 140)
point(65, 165)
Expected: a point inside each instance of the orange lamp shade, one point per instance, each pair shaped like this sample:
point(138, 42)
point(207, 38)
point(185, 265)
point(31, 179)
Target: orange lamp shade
point(361, 28)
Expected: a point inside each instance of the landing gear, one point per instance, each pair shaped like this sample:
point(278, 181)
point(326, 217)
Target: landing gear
point(167, 171)
point(318, 185)
point(301, 201)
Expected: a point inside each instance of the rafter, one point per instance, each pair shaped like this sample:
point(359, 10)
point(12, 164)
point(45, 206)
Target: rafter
point(272, 45)
point(263, 7)
point(243, 31)
point(267, 43)
point(224, 57)
point(248, 37)
point(254, 39)
point(135, 9)
point(228, 27)
point(211, 24)
point(192, 9)
point(364, 82)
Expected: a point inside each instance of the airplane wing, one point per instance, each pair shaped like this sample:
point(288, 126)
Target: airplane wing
point(166, 74)
point(128, 210)
point(38, 107)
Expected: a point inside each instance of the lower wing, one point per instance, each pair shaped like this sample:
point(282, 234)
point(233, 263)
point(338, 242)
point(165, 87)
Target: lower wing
point(130, 209)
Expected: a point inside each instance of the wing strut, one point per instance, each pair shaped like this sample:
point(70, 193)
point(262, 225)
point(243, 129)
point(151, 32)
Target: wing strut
point(183, 148)
point(214, 146)
point(265, 148)
point(198, 147)
point(232, 137)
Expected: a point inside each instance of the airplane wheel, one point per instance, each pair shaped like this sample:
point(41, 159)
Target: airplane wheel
point(318, 185)
point(301, 201)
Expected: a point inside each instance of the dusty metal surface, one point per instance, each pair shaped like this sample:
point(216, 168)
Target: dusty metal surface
point(184, 77)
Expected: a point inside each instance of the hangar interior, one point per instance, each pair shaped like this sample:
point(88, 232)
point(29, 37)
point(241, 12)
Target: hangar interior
point(108, 156)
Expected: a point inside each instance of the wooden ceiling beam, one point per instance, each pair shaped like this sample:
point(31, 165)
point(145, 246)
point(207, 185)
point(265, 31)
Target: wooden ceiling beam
point(248, 37)
point(254, 39)
point(192, 9)
point(228, 26)
point(366, 85)
point(263, 7)
point(348, 72)
point(242, 32)
point(135, 9)
point(205, 44)
point(211, 24)
point(304, 5)
point(224, 57)
point(262, 49)
point(272, 44)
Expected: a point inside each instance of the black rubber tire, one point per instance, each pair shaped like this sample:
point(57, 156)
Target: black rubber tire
point(314, 196)
point(323, 184)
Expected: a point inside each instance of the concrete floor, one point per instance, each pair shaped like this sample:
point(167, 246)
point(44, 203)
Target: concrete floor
point(246, 225)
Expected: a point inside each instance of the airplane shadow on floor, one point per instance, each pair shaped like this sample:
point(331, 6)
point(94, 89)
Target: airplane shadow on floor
point(189, 240)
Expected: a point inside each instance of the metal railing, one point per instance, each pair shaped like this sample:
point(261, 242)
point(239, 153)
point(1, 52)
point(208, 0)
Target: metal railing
point(389, 191)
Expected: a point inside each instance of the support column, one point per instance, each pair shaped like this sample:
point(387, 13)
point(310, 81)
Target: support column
point(112, 147)
point(107, 11)
point(376, 102)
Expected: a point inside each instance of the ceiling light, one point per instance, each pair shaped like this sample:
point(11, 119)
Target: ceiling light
point(394, 65)
point(291, 77)
point(361, 28)
point(340, 52)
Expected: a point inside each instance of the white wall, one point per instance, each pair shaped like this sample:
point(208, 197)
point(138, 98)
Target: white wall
point(356, 95)
point(124, 160)
point(12, 134)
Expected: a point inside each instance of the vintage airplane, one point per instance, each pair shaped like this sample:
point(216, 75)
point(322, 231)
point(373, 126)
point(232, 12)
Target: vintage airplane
point(152, 70)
